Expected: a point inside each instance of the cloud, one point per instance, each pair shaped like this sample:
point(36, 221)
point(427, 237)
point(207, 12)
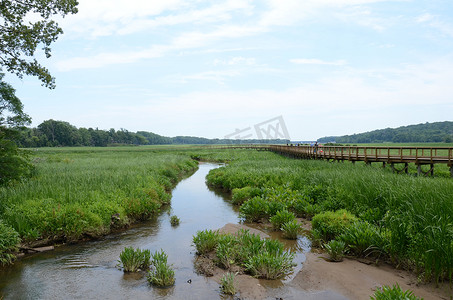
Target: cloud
point(314, 61)
point(239, 60)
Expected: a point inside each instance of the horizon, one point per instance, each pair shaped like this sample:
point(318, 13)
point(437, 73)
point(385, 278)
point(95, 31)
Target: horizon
point(193, 68)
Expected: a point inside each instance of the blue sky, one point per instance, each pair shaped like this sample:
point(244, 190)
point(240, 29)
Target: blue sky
point(206, 68)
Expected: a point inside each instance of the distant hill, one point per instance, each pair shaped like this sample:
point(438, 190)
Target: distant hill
point(436, 132)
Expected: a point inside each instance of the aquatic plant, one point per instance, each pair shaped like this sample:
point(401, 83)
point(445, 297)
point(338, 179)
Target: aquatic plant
point(269, 266)
point(392, 293)
point(254, 210)
point(134, 260)
point(205, 241)
point(364, 238)
point(335, 249)
point(240, 195)
point(291, 230)
point(161, 274)
point(227, 284)
point(227, 251)
point(174, 221)
point(280, 218)
point(330, 224)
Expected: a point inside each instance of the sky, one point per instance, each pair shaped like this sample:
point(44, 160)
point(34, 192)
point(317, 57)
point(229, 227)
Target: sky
point(212, 68)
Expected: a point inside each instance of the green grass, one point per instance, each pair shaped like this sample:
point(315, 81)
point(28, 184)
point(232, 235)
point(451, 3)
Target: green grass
point(227, 284)
point(9, 240)
point(134, 260)
point(261, 258)
point(414, 214)
point(161, 274)
point(174, 221)
point(393, 293)
point(335, 249)
point(85, 192)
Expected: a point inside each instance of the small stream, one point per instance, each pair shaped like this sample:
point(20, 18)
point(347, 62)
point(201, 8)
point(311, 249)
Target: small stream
point(89, 270)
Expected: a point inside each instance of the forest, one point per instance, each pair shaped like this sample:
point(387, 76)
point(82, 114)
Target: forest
point(436, 132)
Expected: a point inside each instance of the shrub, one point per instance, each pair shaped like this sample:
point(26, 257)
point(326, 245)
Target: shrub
point(392, 293)
point(280, 218)
point(250, 245)
point(9, 239)
point(240, 195)
point(227, 284)
point(226, 251)
point(162, 274)
point(335, 249)
point(291, 229)
point(329, 225)
point(134, 260)
point(174, 221)
point(205, 241)
point(253, 210)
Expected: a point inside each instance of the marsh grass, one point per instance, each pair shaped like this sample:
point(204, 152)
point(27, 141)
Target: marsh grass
point(394, 292)
point(86, 192)
point(412, 215)
point(161, 274)
point(206, 241)
point(9, 241)
point(291, 230)
point(262, 258)
point(134, 260)
point(227, 284)
point(280, 218)
point(335, 249)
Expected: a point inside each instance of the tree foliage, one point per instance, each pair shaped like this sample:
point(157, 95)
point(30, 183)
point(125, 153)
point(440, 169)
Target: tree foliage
point(14, 163)
point(20, 38)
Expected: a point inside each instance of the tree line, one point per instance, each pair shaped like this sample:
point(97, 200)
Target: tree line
point(51, 133)
point(436, 132)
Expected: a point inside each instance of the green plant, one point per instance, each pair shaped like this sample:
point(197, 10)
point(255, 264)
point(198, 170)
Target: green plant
point(240, 195)
point(268, 266)
point(393, 293)
point(226, 251)
point(174, 221)
point(329, 224)
point(291, 229)
point(205, 241)
point(9, 240)
point(227, 284)
point(161, 274)
point(253, 210)
point(363, 239)
point(335, 249)
point(280, 218)
point(134, 260)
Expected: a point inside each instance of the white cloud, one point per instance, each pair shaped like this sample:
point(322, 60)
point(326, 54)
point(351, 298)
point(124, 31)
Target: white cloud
point(314, 61)
point(239, 60)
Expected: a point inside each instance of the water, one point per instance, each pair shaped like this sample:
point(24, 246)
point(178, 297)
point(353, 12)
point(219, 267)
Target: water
point(89, 270)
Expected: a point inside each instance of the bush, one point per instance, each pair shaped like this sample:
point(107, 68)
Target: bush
point(174, 221)
point(280, 218)
point(205, 241)
point(227, 284)
point(269, 266)
point(134, 260)
point(291, 229)
point(328, 225)
point(393, 293)
point(162, 274)
point(226, 251)
point(9, 239)
point(335, 249)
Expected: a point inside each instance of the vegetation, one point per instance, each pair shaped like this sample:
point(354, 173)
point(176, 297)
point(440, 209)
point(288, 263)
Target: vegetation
point(9, 239)
point(261, 258)
point(406, 220)
point(335, 249)
point(77, 193)
point(227, 284)
point(174, 221)
point(161, 274)
point(205, 241)
point(291, 230)
point(421, 133)
point(392, 293)
point(135, 260)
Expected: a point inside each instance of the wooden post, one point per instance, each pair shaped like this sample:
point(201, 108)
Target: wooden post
point(432, 170)
point(406, 168)
point(383, 164)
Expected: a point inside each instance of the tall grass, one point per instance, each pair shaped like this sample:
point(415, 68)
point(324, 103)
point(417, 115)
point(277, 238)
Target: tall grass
point(415, 214)
point(79, 192)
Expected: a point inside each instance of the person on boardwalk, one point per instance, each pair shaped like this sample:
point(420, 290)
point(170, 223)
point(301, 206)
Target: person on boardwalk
point(315, 147)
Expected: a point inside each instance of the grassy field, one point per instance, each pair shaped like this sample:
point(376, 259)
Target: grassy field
point(78, 192)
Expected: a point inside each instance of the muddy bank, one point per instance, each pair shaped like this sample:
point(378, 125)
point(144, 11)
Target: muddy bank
point(321, 279)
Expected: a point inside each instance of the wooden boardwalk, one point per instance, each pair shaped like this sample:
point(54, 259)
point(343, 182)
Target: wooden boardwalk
point(392, 156)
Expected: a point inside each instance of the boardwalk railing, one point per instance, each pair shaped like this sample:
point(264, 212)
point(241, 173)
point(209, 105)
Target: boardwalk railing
point(387, 155)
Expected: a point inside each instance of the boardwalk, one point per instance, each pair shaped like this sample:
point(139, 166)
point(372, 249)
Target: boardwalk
point(392, 156)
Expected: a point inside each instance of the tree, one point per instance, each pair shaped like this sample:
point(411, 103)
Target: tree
point(20, 39)
point(13, 161)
